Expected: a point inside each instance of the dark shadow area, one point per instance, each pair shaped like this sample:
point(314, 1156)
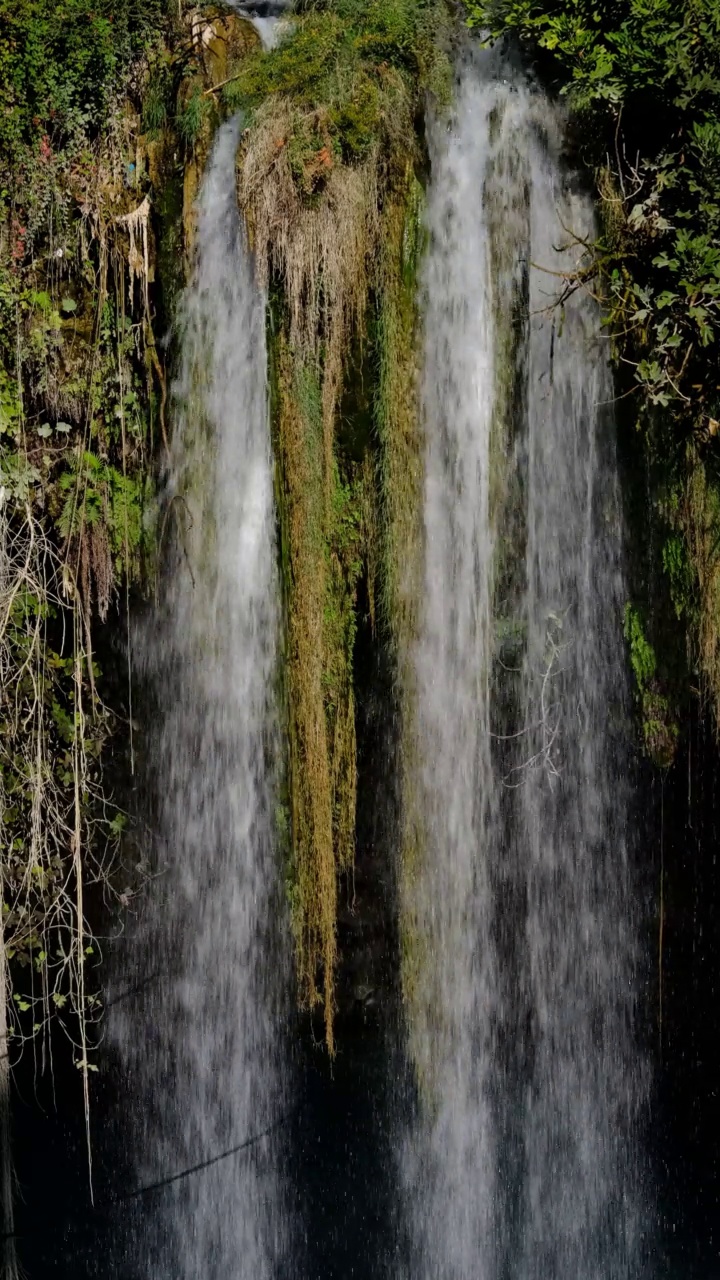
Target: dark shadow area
point(339, 1138)
point(686, 1120)
point(61, 1233)
point(676, 835)
point(345, 1162)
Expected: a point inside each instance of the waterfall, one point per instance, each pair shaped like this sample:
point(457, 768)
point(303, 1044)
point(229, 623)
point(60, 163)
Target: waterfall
point(517, 909)
point(201, 1041)
point(519, 1158)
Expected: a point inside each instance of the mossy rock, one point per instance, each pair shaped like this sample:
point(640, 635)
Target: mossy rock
point(234, 37)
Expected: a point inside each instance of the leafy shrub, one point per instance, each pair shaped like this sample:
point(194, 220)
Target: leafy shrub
point(60, 61)
point(644, 75)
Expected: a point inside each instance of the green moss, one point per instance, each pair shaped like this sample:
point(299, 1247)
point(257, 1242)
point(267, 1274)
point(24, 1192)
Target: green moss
point(359, 66)
point(659, 728)
point(660, 732)
point(642, 654)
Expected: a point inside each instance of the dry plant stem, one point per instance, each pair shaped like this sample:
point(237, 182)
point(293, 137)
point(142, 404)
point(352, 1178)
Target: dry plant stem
point(214, 88)
point(121, 294)
point(8, 1257)
point(549, 722)
point(79, 771)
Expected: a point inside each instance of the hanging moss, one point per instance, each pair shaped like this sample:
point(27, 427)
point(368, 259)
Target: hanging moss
point(660, 732)
point(326, 182)
point(400, 465)
point(325, 546)
point(396, 408)
point(313, 872)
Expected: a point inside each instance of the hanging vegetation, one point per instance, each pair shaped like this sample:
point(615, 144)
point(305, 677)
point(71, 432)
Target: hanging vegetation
point(327, 182)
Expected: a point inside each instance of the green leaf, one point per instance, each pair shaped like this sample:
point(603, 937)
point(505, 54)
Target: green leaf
point(118, 823)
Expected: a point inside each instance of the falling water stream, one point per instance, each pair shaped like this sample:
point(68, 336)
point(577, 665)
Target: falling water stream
point(202, 1043)
point(520, 1162)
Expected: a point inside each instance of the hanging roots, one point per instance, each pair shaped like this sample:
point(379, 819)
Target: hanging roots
point(50, 786)
point(136, 225)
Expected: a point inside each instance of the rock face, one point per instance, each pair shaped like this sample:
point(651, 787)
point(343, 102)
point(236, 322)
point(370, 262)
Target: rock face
point(223, 42)
point(227, 41)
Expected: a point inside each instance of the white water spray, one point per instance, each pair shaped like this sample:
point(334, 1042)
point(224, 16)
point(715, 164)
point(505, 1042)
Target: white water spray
point(202, 1043)
point(521, 1161)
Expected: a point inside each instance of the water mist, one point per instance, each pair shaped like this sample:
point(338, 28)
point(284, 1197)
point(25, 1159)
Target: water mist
point(202, 1042)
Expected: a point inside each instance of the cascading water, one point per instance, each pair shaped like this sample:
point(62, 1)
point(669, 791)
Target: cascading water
point(202, 1042)
point(451, 902)
point(517, 910)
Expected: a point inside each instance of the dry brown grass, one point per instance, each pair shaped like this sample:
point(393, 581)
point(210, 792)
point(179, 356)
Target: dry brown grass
point(321, 250)
point(315, 890)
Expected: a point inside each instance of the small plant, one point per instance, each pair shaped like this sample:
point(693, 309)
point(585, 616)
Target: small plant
point(192, 116)
point(660, 732)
